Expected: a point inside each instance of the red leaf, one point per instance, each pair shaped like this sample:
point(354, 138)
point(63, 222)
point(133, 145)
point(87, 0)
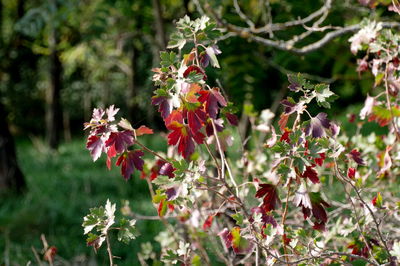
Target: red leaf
point(285, 135)
point(50, 254)
point(129, 161)
point(319, 161)
point(194, 68)
point(181, 135)
point(286, 240)
point(196, 118)
point(212, 98)
point(143, 130)
point(351, 172)
point(311, 174)
point(270, 194)
point(110, 154)
point(162, 208)
point(208, 222)
point(319, 226)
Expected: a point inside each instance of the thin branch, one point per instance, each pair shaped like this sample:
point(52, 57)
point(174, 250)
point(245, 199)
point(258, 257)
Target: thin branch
point(109, 251)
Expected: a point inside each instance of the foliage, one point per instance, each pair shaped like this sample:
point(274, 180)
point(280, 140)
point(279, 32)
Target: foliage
point(296, 174)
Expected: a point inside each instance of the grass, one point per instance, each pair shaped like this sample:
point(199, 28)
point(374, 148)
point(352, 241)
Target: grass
point(62, 187)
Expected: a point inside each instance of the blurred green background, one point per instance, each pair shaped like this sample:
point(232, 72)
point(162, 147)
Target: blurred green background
point(61, 58)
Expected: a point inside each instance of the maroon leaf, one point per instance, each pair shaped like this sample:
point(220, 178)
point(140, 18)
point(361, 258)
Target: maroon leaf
point(317, 205)
point(270, 194)
point(219, 126)
point(129, 161)
point(212, 98)
point(318, 125)
point(167, 170)
point(232, 119)
point(319, 226)
point(356, 156)
point(164, 105)
point(289, 106)
point(311, 174)
point(120, 140)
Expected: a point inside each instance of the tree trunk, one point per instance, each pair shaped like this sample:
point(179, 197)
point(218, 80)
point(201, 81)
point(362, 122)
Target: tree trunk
point(11, 177)
point(54, 111)
point(159, 23)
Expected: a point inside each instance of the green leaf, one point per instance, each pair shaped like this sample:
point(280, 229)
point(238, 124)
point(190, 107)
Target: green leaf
point(158, 197)
point(167, 59)
point(324, 95)
point(238, 217)
point(177, 40)
point(127, 231)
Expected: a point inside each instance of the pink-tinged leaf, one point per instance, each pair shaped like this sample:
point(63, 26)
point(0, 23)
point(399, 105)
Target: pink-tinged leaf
point(111, 112)
point(356, 156)
point(386, 162)
point(129, 161)
point(143, 130)
point(232, 119)
point(318, 125)
point(172, 193)
point(270, 194)
point(164, 105)
point(351, 172)
point(168, 170)
point(289, 106)
point(120, 140)
point(240, 244)
point(271, 141)
point(95, 145)
point(208, 222)
point(362, 66)
point(98, 114)
point(226, 237)
point(367, 109)
point(212, 98)
point(311, 174)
